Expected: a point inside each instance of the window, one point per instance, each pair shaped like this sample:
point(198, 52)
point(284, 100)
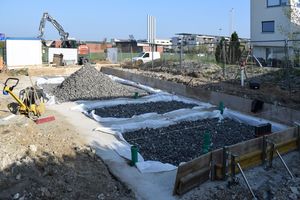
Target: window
point(284, 2)
point(268, 27)
point(272, 3)
point(146, 55)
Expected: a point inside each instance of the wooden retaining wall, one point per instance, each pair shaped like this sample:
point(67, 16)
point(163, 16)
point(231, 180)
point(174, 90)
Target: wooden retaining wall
point(250, 153)
point(210, 165)
point(272, 112)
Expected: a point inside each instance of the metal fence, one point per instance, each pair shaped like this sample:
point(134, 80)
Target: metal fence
point(271, 53)
point(222, 65)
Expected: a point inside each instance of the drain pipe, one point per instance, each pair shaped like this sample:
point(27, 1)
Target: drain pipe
point(134, 155)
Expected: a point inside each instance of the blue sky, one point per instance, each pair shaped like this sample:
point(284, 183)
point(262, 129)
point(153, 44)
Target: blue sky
point(99, 19)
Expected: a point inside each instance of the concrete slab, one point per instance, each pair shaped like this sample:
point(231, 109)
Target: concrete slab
point(150, 186)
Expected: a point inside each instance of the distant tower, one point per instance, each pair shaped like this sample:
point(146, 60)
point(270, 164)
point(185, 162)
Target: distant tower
point(151, 29)
point(231, 22)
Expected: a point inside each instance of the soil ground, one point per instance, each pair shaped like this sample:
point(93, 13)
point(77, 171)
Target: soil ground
point(277, 85)
point(50, 160)
point(53, 161)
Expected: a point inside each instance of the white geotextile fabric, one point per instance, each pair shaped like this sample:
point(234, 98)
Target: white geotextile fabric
point(253, 121)
point(161, 96)
point(154, 120)
point(138, 85)
point(117, 126)
point(56, 80)
point(42, 81)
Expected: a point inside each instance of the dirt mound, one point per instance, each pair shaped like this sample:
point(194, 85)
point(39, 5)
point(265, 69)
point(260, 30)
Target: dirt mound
point(88, 83)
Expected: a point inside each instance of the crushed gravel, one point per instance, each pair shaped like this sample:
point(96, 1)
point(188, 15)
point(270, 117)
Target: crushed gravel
point(129, 110)
point(183, 142)
point(89, 84)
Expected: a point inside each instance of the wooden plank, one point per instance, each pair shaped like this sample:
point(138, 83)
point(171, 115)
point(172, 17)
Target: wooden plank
point(253, 159)
point(282, 136)
point(250, 153)
point(191, 167)
point(192, 180)
point(246, 146)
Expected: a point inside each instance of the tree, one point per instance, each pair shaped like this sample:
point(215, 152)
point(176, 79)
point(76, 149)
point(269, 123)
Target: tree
point(234, 52)
point(291, 31)
point(292, 12)
point(219, 54)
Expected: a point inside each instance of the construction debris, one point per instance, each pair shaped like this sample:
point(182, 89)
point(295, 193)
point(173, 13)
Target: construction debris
point(183, 142)
point(129, 110)
point(89, 84)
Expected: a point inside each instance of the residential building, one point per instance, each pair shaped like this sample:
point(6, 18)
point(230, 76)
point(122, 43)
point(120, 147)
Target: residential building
point(136, 46)
point(165, 43)
point(194, 40)
point(271, 25)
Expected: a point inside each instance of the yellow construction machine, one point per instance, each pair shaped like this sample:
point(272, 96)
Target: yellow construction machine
point(30, 101)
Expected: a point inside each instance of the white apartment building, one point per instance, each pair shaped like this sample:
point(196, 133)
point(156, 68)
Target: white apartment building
point(193, 40)
point(271, 25)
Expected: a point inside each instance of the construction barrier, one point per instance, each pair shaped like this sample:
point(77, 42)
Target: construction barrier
point(215, 165)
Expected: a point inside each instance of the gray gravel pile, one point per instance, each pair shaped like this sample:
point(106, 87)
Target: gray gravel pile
point(129, 110)
point(88, 84)
point(183, 142)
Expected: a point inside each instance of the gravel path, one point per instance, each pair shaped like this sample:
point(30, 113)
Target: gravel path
point(183, 142)
point(89, 84)
point(129, 110)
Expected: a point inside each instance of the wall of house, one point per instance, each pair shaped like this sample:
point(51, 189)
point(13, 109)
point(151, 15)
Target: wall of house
point(160, 49)
point(260, 12)
point(97, 47)
point(69, 54)
point(23, 52)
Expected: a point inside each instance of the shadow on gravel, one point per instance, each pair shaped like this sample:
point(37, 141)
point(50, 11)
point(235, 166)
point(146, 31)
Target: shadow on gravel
point(45, 176)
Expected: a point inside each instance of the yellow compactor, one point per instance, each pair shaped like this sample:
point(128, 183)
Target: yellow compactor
point(30, 101)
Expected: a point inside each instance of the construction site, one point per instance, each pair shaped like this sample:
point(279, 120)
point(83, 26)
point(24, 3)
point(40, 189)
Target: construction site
point(183, 125)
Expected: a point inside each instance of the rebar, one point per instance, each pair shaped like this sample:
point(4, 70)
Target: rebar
point(286, 167)
point(245, 179)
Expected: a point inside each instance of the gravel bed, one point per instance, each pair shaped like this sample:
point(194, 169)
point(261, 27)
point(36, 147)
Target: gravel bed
point(89, 84)
point(183, 142)
point(129, 110)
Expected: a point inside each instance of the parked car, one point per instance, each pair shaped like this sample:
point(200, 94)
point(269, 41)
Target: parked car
point(145, 57)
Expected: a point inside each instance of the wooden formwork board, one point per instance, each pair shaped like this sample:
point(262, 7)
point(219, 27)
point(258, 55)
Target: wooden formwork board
point(192, 173)
point(249, 154)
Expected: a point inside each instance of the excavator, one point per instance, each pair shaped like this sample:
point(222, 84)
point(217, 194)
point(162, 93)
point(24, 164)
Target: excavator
point(83, 49)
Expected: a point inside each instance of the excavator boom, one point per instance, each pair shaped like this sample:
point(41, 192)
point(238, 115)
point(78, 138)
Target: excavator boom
point(63, 35)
